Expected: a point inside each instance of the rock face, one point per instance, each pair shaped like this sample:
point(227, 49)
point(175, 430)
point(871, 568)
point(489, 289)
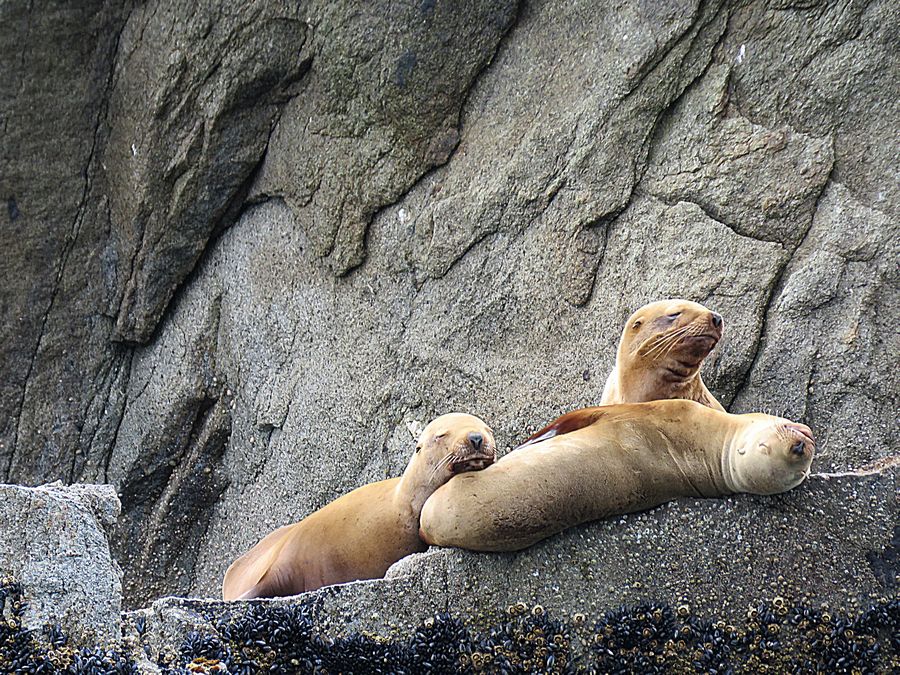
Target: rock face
point(247, 246)
point(53, 542)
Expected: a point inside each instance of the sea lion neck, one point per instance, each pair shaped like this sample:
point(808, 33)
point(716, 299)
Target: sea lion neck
point(691, 446)
point(414, 486)
point(662, 380)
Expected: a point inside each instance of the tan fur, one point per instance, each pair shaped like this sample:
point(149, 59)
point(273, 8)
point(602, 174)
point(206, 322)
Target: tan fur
point(628, 458)
point(659, 357)
point(361, 534)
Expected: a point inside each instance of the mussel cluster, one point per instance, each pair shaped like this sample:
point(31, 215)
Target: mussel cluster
point(529, 641)
point(284, 639)
point(21, 651)
point(774, 637)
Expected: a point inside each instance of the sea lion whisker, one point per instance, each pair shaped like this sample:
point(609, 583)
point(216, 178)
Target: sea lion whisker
point(654, 342)
point(452, 457)
point(662, 342)
point(438, 465)
point(670, 335)
point(696, 328)
point(664, 345)
point(672, 345)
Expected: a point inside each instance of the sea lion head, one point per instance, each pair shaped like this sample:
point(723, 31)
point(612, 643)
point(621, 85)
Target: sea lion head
point(455, 443)
point(673, 334)
point(770, 455)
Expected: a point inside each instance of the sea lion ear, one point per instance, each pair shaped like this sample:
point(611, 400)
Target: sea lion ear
point(418, 447)
point(566, 424)
point(415, 428)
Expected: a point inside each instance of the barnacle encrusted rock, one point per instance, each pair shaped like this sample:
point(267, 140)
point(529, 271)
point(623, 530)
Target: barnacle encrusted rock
point(830, 540)
point(53, 543)
point(779, 635)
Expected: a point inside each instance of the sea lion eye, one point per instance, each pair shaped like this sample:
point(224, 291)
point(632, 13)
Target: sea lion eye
point(636, 324)
point(440, 436)
point(673, 316)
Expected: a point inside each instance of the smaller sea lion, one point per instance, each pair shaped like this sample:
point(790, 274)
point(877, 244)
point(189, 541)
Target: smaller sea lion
point(611, 460)
point(662, 347)
point(360, 535)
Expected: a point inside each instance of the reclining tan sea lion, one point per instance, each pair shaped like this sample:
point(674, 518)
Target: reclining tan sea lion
point(610, 460)
point(360, 535)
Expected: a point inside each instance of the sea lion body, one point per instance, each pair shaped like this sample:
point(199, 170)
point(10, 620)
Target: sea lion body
point(330, 546)
point(660, 353)
point(362, 533)
point(623, 458)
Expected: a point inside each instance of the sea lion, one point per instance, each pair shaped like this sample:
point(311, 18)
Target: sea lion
point(610, 460)
point(662, 347)
point(361, 534)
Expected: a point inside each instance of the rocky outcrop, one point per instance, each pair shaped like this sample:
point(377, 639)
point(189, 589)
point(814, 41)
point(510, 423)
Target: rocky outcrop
point(196, 92)
point(714, 560)
point(753, 548)
point(620, 593)
point(53, 543)
point(249, 244)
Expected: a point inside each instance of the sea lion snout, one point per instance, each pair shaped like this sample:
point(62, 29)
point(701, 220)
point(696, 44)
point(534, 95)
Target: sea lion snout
point(709, 330)
point(481, 454)
point(475, 440)
point(801, 430)
point(804, 444)
point(716, 326)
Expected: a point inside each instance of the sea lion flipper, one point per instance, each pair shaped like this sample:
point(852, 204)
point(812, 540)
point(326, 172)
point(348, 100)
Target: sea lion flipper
point(572, 421)
point(245, 573)
point(274, 583)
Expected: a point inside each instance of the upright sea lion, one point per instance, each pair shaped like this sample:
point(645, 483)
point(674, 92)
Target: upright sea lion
point(660, 353)
point(360, 535)
point(611, 460)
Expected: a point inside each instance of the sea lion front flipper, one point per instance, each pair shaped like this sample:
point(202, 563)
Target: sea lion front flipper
point(245, 573)
point(577, 419)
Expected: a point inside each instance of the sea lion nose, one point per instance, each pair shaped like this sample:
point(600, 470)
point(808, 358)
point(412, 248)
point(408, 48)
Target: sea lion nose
point(476, 440)
point(716, 319)
point(798, 448)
